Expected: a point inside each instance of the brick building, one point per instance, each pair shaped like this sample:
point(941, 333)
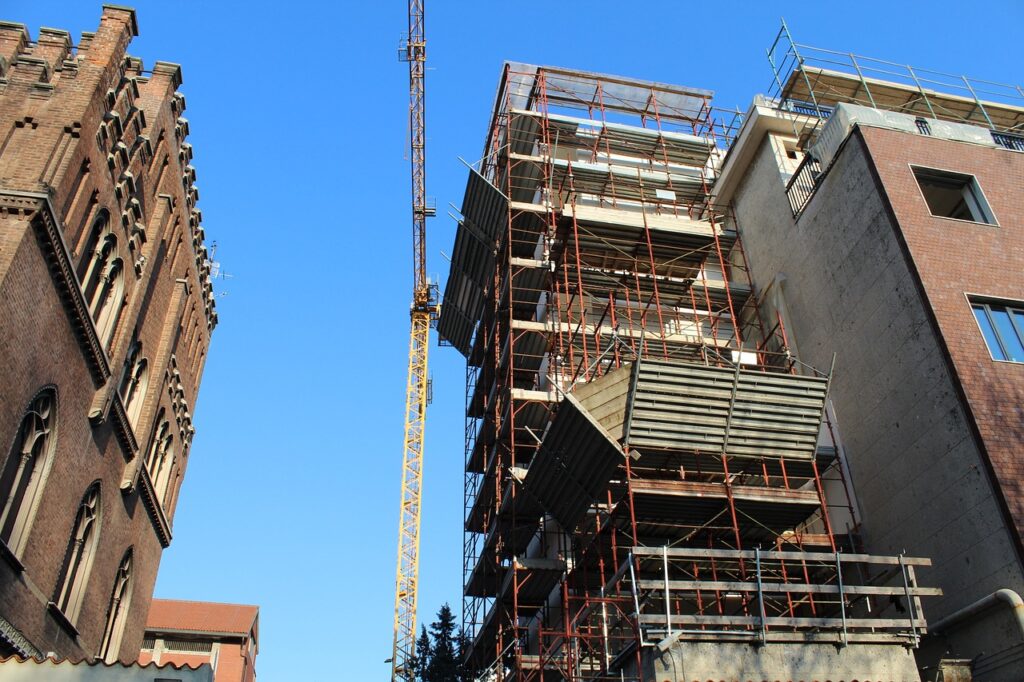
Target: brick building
point(106, 311)
point(190, 633)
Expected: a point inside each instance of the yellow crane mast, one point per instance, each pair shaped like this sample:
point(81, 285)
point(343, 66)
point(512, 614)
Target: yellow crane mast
point(423, 312)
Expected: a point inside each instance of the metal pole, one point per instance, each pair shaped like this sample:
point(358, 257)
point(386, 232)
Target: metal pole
point(863, 81)
point(977, 102)
point(760, 595)
point(842, 597)
point(921, 90)
point(668, 604)
point(636, 598)
point(910, 601)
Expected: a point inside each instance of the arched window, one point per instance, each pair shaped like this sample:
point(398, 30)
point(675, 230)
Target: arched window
point(81, 550)
point(134, 383)
point(103, 283)
point(25, 471)
point(161, 457)
point(117, 612)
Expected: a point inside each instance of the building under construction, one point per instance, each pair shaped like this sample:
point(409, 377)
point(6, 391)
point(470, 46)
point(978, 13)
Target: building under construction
point(655, 486)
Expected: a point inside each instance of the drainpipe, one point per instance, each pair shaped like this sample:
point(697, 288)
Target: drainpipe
point(1010, 598)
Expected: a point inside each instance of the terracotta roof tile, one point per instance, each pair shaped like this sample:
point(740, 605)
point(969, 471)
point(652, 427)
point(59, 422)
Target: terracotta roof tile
point(52, 660)
point(201, 616)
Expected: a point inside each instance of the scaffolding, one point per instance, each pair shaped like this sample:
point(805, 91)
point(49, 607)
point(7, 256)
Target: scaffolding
point(812, 81)
point(647, 463)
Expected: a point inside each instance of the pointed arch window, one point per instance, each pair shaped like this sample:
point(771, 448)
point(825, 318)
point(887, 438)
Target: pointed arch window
point(26, 469)
point(134, 383)
point(117, 612)
point(81, 550)
point(161, 457)
point(103, 282)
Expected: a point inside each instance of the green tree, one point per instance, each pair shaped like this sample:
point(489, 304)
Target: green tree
point(421, 660)
point(439, 655)
point(444, 656)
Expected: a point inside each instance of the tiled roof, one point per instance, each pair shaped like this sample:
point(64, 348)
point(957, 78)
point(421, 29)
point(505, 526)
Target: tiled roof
point(67, 662)
point(201, 616)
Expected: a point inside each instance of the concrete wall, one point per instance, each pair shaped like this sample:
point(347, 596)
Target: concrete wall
point(689, 661)
point(917, 470)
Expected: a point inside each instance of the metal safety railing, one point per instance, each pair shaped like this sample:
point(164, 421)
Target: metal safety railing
point(765, 595)
point(801, 186)
point(805, 69)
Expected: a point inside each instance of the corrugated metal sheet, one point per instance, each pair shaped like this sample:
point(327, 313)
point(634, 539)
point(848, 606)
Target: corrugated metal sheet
point(688, 407)
point(574, 464)
point(483, 211)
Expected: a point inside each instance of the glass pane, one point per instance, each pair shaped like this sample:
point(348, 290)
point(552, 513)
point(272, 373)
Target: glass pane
point(988, 332)
point(1007, 334)
point(1018, 319)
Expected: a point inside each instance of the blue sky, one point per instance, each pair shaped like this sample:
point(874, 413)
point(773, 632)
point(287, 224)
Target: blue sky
point(298, 114)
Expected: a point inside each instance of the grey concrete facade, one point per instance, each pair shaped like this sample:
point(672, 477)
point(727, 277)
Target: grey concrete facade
point(917, 469)
point(716, 660)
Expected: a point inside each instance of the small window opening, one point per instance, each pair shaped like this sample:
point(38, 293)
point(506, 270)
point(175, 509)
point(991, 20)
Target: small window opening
point(953, 195)
point(922, 126)
point(791, 153)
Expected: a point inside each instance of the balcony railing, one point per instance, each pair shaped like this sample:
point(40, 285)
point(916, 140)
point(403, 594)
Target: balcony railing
point(1013, 142)
point(803, 183)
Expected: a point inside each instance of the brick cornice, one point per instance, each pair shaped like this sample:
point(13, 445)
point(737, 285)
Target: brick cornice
point(57, 255)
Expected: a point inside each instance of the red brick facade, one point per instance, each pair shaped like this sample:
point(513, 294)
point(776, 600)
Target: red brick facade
point(191, 633)
point(955, 259)
point(105, 302)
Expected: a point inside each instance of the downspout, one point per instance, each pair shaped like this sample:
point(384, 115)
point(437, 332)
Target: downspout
point(1012, 600)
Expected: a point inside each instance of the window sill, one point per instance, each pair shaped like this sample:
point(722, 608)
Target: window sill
point(11, 558)
point(963, 221)
point(61, 619)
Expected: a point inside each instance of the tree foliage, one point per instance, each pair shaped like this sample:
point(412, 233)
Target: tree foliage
point(439, 653)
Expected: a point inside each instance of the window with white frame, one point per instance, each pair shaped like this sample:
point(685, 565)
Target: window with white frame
point(953, 195)
point(1002, 326)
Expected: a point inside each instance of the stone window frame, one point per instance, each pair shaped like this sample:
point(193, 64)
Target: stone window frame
point(103, 281)
point(117, 610)
point(14, 476)
point(990, 331)
point(134, 383)
point(976, 190)
point(82, 549)
point(160, 455)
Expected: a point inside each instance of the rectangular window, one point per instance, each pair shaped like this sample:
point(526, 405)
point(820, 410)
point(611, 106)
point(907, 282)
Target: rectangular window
point(1002, 326)
point(953, 195)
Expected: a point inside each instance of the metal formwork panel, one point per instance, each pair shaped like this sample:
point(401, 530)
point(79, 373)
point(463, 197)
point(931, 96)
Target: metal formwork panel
point(690, 407)
point(484, 214)
point(576, 459)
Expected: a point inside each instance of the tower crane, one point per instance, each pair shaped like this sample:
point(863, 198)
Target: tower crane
point(423, 312)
